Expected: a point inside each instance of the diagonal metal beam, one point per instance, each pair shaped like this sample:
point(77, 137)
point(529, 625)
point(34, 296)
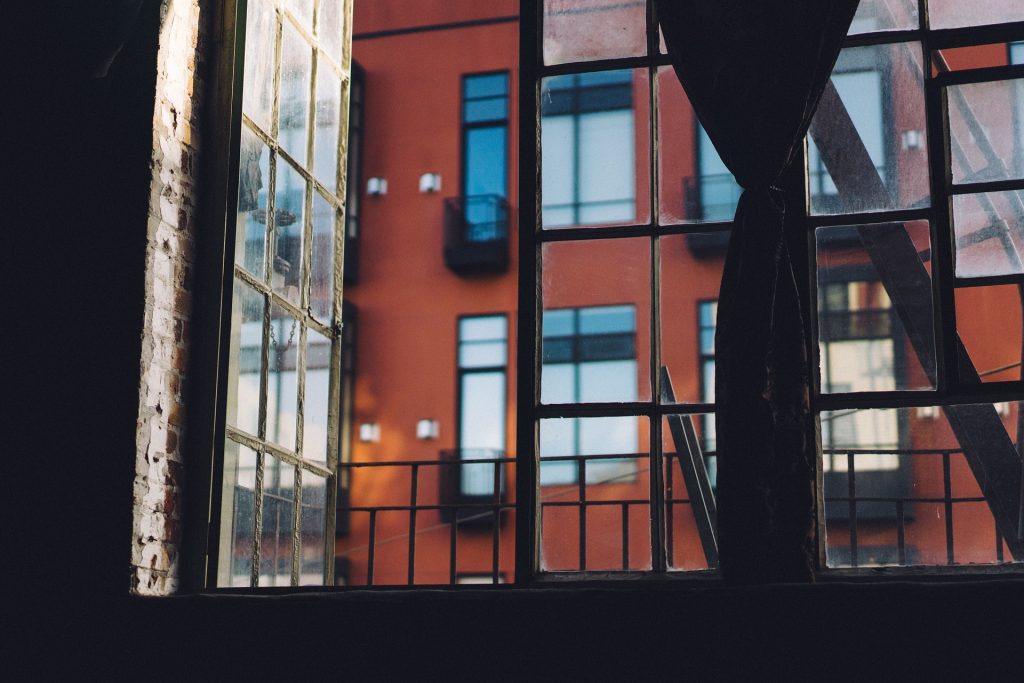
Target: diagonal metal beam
point(986, 445)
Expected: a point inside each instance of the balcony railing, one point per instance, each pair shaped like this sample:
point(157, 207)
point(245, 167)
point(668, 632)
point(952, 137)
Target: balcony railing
point(476, 234)
point(471, 477)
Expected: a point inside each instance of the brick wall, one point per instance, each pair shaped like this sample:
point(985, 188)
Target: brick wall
point(173, 203)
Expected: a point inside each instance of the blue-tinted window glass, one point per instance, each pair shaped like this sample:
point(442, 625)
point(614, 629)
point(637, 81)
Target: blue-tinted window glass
point(719, 192)
point(485, 161)
point(485, 85)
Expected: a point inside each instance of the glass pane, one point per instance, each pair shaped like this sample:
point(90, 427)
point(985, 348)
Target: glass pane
point(482, 429)
point(609, 528)
point(986, 138)
point(318, 397)
point(900, 488)
point(260, 34)
point(290, 199)
point(584, 284)
point(296, 69)
point(688, 440)
point(239, 506)
point(325, 141)
point(595, 149)
point(988, 227)
point(971, 57)
point(282, 387)
point(253, 182)
point(583, 30)
point(303, 10)
point(321, 294)
point(872, 331)
point(988, 320)
point(868, 152)
point(278, 522)
point(882, 15)
point(691, 273)
point(332, 27)
point(695, 184)
point(245, 358)
point(484, 328)
point(956, 13)
point(314, 522)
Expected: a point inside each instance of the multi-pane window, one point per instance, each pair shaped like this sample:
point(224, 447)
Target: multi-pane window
point(483, 360)
point(283, 351)
point(588, 149)
point(484, 153)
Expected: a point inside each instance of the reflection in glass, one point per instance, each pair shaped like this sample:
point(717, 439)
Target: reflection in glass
point(290, 201)
point(317, 399)
point(314, 504)
point(293, 115)
point(253, 187)
point(258, 94)
point(883, 15)
point(282, 389)
point(321, 293)
point(278, 521)
point(239, 505)
point(980, 311)
point(325, 136)
point(245, 358)
point(957, 13)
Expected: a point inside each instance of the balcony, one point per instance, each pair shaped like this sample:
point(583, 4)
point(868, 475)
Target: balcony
point(476, 234)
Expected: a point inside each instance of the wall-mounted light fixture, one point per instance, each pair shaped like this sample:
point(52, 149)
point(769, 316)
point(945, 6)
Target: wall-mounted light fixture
point(430, 182)
point(427, 429)
point(912, 139)
point(369, 432)
point(377, 186)
point(1002, 408)
point(927, 412)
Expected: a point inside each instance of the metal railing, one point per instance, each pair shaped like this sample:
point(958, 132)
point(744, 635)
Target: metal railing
point(476, 233)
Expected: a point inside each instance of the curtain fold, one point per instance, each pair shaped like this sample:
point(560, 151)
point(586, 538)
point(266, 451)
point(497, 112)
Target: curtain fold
point(754, 71)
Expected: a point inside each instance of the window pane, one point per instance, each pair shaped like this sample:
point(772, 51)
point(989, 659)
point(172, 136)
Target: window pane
point(684, 545)
point(577, 276)
point(583, 30)
point(955, 13)
point(317, 400)
point(872, 331)
point(483, 328)
point(282, 387)
point(296, 70)
point(882, 15)
point(614, 522)
point(290, 197)
point(691, 273)
point(979, 312)
point(988, 233)
point(595, 151)
point(321, 295)
point(332, 27)
point(253, 182)
point(986, 138)
point(260, 35)
point(900, 487)
point(239, 506)
point(314, 508)
point(880, 161)
point(328, 115)
point(245, 358)
point(303, 10)
point(278, 522)
point(485, 161)
point(485, 85)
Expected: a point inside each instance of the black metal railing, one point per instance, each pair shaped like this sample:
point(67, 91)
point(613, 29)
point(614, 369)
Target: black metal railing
point(476, 234)
point(472, 477)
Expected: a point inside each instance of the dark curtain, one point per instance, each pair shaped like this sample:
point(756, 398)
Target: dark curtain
point(754, 71)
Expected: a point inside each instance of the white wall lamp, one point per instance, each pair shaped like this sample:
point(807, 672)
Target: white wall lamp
point(927, 412)
point(376, 187)
point(912, 139)
point(430, 182)
point(369, 432)
point(427, 429)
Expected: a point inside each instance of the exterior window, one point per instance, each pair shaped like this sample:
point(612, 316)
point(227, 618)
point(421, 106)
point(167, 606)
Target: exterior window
point(589, 356)
point(282, 334)
point(483, 360)
point(707, 314)
point(587, 127)
point(354, 184)
point(719, 192)
point(484, 153)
